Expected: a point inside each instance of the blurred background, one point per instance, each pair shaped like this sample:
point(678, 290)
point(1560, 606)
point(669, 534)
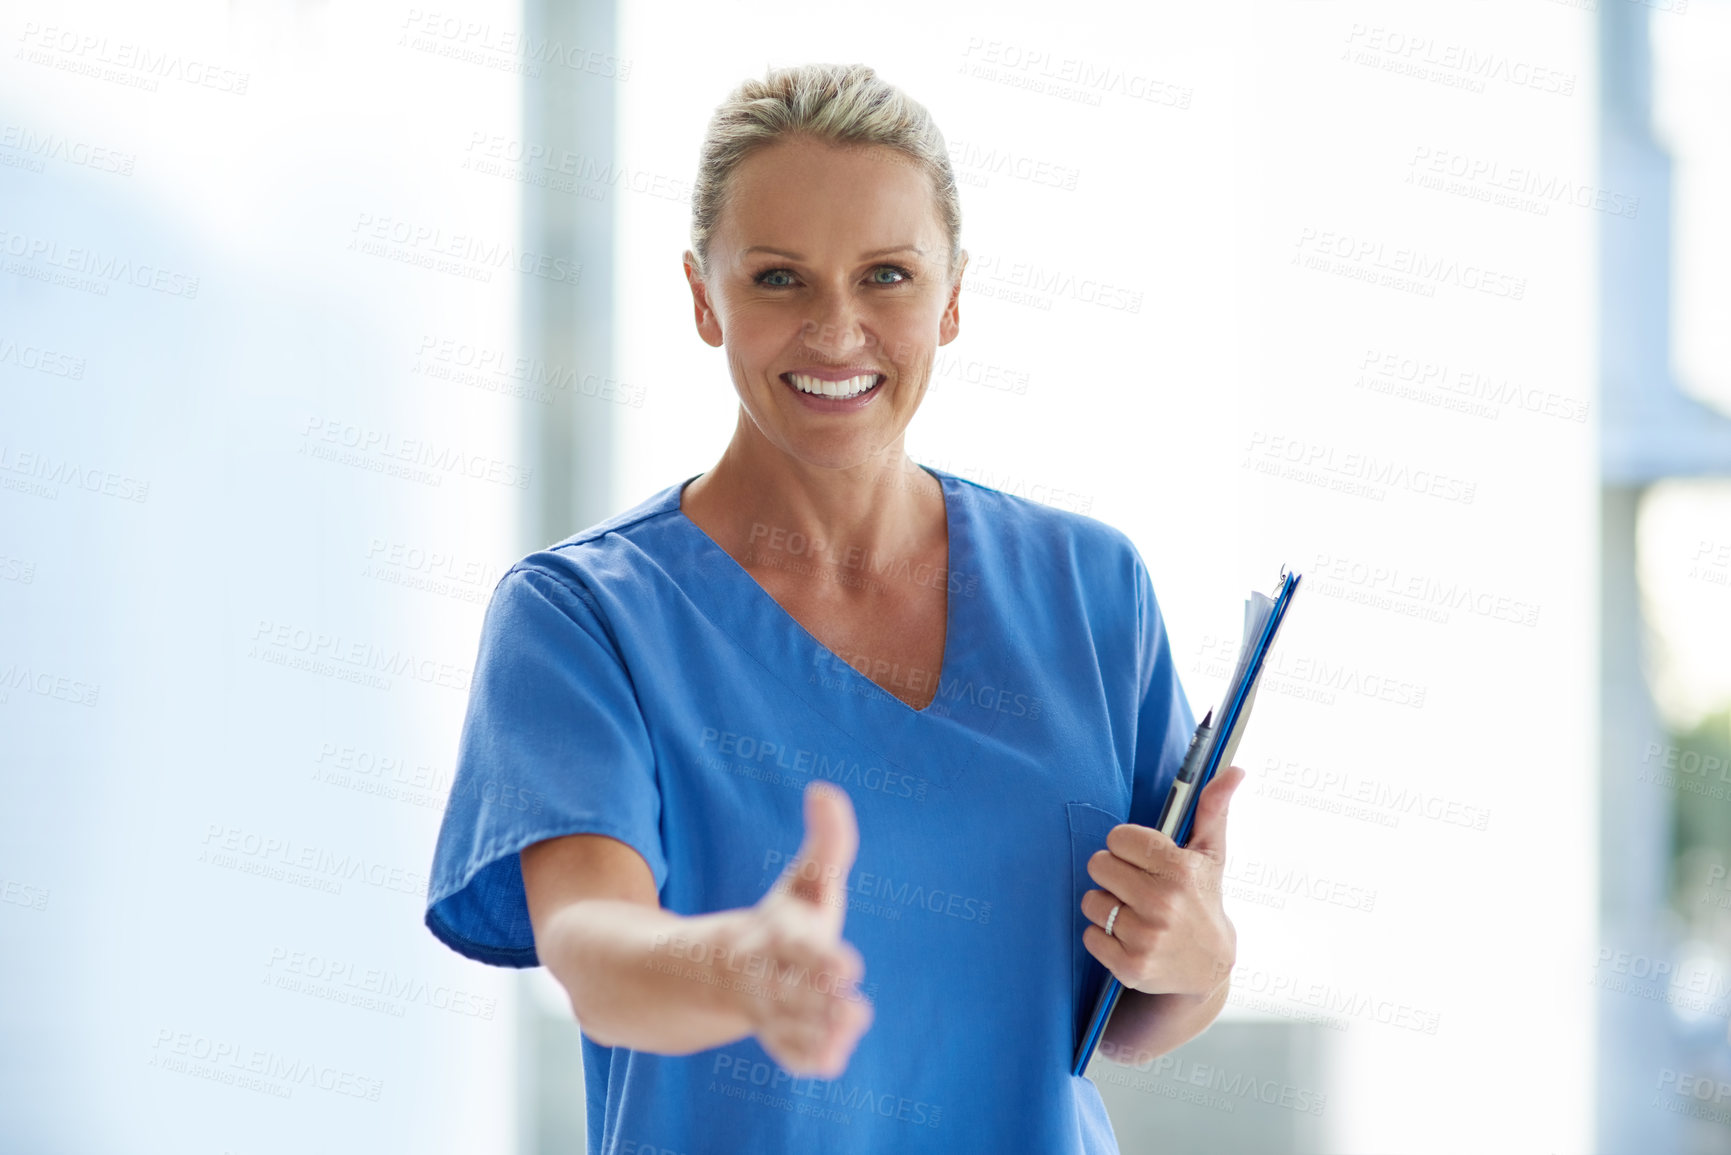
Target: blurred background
point(314, 317)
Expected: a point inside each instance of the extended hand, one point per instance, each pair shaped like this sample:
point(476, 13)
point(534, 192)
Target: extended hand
point(1171, 934)
point(807, 1011)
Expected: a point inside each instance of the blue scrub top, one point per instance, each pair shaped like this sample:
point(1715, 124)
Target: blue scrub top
point(635, 681)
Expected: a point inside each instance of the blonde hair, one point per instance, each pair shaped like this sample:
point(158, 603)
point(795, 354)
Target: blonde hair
point(844, 104)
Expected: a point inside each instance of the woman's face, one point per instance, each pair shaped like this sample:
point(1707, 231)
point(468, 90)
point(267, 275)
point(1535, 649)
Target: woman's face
point(828, 275)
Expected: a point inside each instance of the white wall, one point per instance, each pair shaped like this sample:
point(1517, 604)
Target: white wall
point(163, 813)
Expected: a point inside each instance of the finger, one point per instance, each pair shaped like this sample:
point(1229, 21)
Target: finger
point(796, 1043)
point(854, 1021)
point(1108, 950)
point(800, 1017)
point(819, 1047)
point(849, 1020)
point(819, 871)
point(1097, 907)
point(1208, 836)
point(1145, 847)
point(809, 970)
point(828, 965)
point(1129, 883)
point(818, 1025)
point(848, 966)
point(837, 975)
point(1128, 927)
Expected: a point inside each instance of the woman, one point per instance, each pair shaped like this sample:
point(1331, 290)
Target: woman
point(820, 688)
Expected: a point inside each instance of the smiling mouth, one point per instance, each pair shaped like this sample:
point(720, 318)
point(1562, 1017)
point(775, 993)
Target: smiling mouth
point(839, 390)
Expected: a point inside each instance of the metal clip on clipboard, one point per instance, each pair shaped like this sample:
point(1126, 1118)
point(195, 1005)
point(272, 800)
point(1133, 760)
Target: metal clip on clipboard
point(1212, 747)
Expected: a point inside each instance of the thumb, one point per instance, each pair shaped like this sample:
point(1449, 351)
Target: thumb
point(1208, 832)
point(819, 872)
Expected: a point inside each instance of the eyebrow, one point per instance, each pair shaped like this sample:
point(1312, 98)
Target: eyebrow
point(800, 256)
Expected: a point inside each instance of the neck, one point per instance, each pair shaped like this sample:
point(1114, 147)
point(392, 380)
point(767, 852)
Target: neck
point(883, 504)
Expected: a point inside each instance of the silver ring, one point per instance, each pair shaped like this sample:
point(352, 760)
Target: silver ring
point(1113, 917)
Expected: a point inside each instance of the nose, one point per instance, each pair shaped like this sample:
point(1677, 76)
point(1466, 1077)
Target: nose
point(836, 325)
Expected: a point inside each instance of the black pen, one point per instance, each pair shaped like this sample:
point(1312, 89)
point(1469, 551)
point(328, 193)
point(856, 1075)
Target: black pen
point(1172, 814)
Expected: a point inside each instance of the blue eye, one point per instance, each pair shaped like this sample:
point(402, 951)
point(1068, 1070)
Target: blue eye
point(763, 278)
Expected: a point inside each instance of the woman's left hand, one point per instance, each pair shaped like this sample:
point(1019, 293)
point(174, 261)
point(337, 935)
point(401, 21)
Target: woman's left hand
point(1171, 934)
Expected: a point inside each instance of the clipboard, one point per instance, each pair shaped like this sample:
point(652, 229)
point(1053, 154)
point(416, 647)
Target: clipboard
point(1212, 747)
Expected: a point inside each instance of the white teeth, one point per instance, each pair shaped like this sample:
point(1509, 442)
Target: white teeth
point(852, 387)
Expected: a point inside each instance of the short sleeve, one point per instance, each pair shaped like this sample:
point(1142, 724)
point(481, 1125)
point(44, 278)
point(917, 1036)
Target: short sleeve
point(553, 743)
point(1164, 722)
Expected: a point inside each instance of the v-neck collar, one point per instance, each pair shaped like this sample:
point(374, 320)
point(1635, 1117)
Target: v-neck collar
point(759, 624)
point(833, 659)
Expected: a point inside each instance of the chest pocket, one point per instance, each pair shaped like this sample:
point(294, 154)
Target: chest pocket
point(1089, 826)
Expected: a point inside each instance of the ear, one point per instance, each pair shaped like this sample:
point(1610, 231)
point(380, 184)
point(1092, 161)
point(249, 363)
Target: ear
point(951, 322)
point(708, 324)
